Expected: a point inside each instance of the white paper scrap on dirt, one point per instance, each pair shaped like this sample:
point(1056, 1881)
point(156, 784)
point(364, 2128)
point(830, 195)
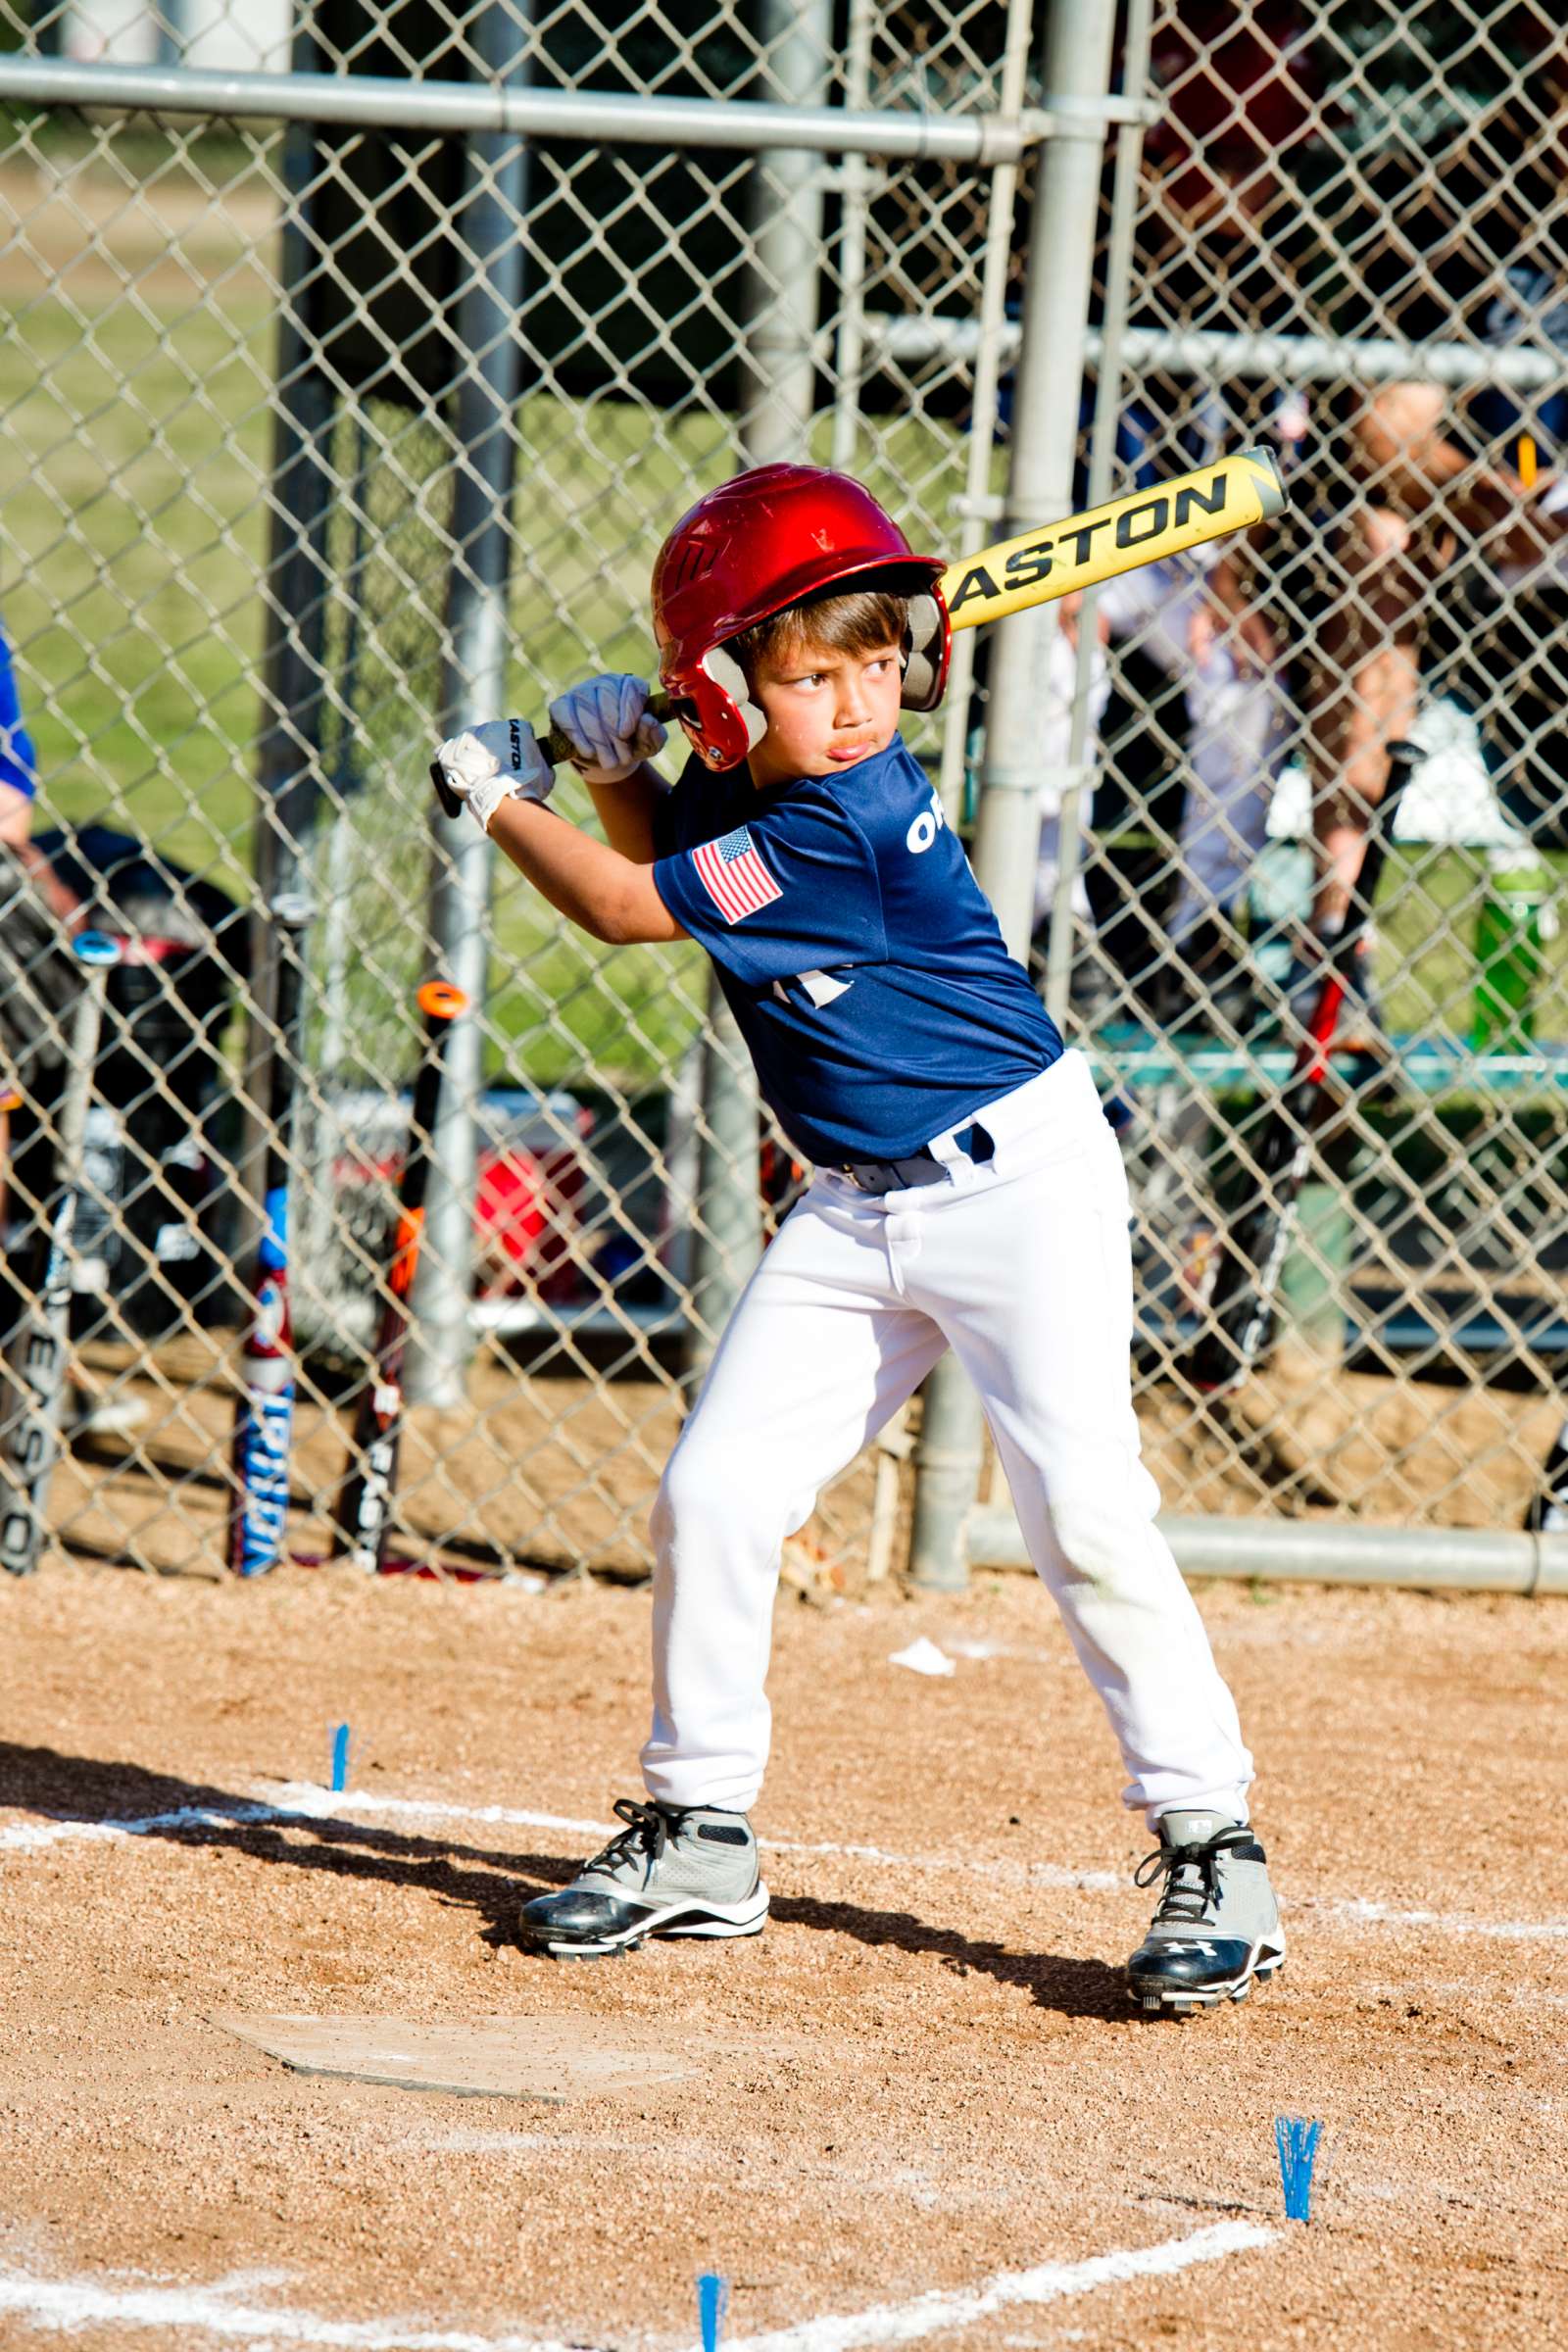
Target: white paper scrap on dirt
point(923, 1657)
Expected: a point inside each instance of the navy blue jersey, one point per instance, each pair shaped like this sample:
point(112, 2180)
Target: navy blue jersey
point(858, 952)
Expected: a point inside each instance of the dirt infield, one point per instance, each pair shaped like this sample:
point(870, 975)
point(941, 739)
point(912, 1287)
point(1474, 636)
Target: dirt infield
point(924, 2077)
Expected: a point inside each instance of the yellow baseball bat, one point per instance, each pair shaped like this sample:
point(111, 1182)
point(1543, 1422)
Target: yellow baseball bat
point(1061, 558)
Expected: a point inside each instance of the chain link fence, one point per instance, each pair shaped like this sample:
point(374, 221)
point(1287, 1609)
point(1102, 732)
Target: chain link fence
point(333, 423)
point(1349, 242)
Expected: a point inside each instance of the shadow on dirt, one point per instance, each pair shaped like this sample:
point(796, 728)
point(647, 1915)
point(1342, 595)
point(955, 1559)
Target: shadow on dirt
point(192, 1813)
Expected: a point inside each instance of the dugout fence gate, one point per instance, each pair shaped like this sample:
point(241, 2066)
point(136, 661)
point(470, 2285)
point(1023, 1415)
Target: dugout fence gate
point(356, 364)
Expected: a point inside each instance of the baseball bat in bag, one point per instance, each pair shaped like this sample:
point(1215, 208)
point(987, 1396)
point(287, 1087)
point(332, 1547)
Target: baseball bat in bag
point(41, 1342)
point(264, 1409)
point(362, 1516)
point(1061, 558)
point(1239, 1325)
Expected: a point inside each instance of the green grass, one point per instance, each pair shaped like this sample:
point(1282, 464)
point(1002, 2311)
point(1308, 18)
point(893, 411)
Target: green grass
point(132, 535)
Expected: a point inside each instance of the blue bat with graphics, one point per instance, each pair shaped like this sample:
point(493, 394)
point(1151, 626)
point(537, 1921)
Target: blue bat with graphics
point(263, 1412)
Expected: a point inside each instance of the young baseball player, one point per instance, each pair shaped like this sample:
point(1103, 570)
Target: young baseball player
point(967, 1192)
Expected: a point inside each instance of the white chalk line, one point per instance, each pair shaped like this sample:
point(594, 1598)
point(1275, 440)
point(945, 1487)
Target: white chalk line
point(1051, 2282)
point(60, 2305)
point(29, 1836)
point(64, 2305)
point(308, 1803)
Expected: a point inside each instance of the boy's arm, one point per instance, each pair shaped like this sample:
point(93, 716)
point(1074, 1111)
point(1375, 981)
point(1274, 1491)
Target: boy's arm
point(626, 806)
point(499, 772)
point(608, 893)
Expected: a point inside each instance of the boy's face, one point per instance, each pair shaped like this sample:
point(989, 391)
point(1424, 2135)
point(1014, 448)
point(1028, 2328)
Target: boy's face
point(824, 710)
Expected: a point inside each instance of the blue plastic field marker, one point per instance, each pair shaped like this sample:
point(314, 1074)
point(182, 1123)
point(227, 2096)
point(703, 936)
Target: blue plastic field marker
point(1297, 2140)
point(713, 2298)
point(340, 1758)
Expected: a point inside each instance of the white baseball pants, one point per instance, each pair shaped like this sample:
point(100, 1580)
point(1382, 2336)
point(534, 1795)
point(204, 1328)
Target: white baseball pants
point(1022, 1265)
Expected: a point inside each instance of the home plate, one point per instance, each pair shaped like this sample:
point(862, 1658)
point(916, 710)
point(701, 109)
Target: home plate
point(554, 2058)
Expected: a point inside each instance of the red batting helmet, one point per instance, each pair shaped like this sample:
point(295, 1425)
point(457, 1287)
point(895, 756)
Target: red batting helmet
point(749, 548)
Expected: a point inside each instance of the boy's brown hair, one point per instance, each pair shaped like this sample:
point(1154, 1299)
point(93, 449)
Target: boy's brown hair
point(858, 620)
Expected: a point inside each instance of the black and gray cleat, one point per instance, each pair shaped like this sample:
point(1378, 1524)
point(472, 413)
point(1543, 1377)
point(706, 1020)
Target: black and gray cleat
point(675, 1870)
point(1216, 1926)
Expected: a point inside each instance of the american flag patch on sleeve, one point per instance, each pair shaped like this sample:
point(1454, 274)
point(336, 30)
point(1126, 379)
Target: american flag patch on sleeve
point(734, 876)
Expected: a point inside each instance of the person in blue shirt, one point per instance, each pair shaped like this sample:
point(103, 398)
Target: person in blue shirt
point(968, 1191)
point(40, 981)
point(19, 769)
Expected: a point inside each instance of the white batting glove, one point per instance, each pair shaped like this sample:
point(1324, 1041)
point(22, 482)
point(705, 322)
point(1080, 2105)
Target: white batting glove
point(608, 727)
point(495, 761)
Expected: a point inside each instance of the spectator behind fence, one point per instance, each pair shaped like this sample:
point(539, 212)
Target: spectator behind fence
point(1216, 255)
point(1191, 619)
point(1238, 739)
point(1305, 640)
point(38, 983)
point(1237, 735)
point(1488, 618)
point(34, 973)
point(1397, 476)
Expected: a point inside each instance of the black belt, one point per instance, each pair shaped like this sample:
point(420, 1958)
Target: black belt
point(901, 1175)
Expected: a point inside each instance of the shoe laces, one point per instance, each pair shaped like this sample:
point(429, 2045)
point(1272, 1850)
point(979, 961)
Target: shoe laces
point(1192, 1876)
point(649, 1829)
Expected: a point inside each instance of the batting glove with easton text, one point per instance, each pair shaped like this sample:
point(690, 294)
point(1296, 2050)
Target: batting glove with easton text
point(495, 761)
point(608, 725)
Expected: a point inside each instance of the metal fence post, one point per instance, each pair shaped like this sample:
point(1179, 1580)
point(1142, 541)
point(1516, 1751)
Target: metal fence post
point(473, 686)
point(974, 525)
point(294, 595)
point(854, 196)
point(1101, 455)
point(778, 354)
point(298, 583)
point(171, 33)
point(777, 384)
point(1040, 482)
point(729, 1232)
point(337, 855)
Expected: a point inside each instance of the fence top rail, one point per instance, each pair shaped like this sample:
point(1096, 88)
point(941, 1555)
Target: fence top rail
point(368, 101)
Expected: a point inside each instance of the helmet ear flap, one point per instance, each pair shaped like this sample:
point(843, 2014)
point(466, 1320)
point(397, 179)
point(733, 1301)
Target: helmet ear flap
point(744, 724)
point(927, 644)
point(723, 723)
